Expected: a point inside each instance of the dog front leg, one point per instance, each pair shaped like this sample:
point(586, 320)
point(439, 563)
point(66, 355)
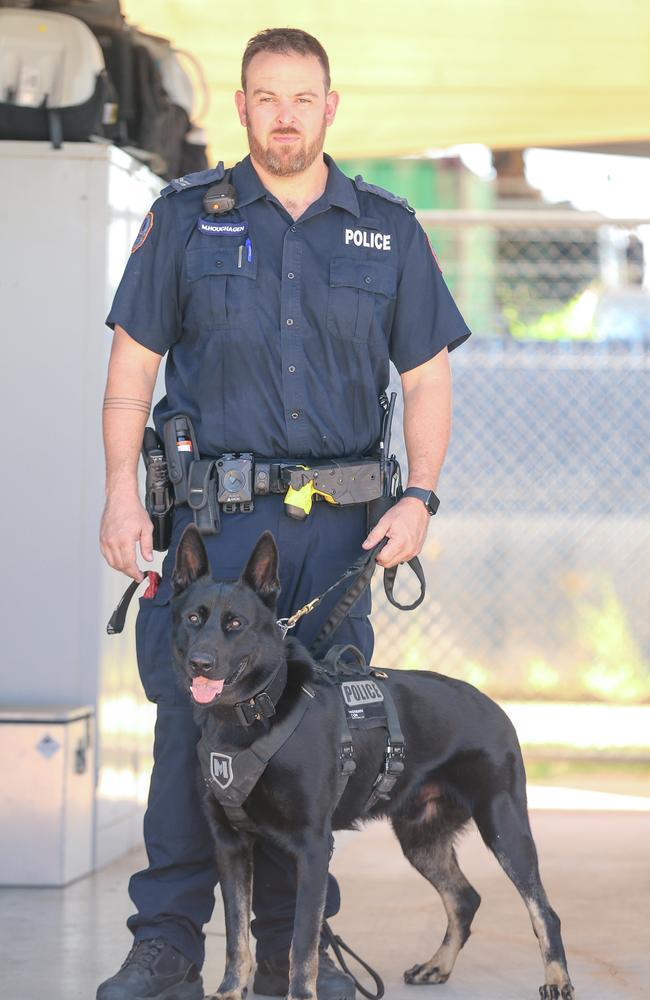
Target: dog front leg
point(312, 862)
point(234, 854)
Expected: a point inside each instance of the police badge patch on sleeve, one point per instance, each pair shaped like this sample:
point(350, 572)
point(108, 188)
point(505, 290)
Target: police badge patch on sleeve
point(143, 232)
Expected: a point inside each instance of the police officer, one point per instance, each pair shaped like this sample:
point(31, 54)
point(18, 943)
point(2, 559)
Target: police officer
point(278, 324)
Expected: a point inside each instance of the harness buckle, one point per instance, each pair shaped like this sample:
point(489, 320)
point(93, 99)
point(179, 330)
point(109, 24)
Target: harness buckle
point(264, 705)
point(394, 758)
point(346, 759)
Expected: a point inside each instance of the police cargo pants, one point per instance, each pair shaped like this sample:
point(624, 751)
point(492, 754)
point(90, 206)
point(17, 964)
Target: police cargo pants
point(174, 895)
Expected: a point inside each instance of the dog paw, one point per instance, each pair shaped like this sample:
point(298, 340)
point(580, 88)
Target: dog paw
point(424, 974)
point(557, 992)
point(228, 994)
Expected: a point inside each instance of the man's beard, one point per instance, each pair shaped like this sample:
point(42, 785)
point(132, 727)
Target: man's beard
point(285, 162)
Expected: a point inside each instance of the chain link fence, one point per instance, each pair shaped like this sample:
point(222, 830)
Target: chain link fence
point(539, 560)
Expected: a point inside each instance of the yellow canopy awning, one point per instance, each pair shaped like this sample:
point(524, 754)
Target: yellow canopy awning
point(415, 75)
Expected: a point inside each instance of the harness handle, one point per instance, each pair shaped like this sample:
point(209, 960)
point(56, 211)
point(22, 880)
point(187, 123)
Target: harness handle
point(333, 659)
point(338, 946)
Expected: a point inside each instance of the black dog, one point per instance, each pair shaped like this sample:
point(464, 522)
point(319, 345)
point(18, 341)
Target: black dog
point(462, 762)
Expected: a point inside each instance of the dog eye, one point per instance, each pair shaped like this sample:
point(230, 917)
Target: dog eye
point(193, 618)
point(232, 624)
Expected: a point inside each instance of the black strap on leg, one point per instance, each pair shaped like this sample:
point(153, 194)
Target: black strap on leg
point(338, 946)
point(394, 755)
point(347, 763)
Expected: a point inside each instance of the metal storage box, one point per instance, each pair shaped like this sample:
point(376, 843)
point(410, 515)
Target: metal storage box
point(46, 794)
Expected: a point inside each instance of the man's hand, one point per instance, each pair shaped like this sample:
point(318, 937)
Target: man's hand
point(405, 525)
point(125, 524)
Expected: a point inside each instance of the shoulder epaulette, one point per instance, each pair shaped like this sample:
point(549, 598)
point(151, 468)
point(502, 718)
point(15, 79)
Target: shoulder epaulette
point(382, 193)
point(198, 179)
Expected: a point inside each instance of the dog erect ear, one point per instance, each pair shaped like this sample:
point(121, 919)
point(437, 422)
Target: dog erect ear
point(191, 559)
point(261, 573)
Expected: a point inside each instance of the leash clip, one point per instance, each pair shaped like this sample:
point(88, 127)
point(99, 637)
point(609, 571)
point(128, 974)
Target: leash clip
point(284, 625)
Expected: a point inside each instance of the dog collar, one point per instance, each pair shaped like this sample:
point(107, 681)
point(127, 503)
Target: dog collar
point(262, 705)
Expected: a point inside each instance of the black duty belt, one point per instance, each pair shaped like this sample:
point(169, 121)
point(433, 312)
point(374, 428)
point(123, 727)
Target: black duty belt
point(178, 474)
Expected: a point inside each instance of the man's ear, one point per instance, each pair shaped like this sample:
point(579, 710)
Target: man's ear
point(240, 104)
point(261, 572)
point(191, 560)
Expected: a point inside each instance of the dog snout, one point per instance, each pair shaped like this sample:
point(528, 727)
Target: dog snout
point(202, 663)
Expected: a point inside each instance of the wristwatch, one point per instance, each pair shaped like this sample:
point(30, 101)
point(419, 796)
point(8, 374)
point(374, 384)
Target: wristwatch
point(428, 497)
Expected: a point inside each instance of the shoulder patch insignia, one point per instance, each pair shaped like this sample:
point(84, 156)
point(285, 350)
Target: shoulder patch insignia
point(362, 185)
point(143, 232)
point(197, 179)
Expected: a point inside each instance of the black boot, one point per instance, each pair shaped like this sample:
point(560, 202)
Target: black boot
point(272, 978)
point(154, 969)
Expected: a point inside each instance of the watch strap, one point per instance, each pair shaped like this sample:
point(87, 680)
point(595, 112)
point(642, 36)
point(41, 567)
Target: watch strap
point(428, 497)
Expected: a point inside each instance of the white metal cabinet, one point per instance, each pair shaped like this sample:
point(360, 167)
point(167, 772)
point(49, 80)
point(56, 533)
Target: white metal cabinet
point(46, 794)
point(68, 218)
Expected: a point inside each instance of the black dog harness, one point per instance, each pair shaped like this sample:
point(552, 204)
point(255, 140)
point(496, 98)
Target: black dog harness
point(366, 703)
point(232, 773)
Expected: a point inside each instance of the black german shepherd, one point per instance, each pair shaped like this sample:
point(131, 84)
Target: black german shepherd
point(462, 762)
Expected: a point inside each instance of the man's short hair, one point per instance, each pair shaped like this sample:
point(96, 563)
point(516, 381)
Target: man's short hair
point(285, 41)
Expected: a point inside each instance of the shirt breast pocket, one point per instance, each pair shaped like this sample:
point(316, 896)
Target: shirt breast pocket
point(220, 290)
point(360, 292)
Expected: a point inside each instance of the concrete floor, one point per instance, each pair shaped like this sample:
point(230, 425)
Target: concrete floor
point(58, 944)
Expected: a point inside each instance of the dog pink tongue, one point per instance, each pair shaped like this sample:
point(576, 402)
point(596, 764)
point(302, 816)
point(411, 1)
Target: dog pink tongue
point(204, 690)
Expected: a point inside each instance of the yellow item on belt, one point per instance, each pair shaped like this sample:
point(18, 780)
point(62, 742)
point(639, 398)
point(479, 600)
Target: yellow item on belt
point(299, 502)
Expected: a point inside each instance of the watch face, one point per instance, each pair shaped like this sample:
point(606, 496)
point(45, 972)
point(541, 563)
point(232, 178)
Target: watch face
point(433, 503)
point(428, 497)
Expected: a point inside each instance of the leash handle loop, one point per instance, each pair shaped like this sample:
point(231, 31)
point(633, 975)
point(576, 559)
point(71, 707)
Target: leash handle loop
point(389, 583)
point(118, 618)
point(338, 946)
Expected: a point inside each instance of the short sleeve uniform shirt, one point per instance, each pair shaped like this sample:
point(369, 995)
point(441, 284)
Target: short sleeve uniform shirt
point(278, 333)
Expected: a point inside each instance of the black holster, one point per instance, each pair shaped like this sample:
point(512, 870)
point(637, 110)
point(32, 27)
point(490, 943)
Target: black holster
point(158, 497)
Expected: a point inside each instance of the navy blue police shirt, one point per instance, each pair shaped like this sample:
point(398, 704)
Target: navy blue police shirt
point(279, 332)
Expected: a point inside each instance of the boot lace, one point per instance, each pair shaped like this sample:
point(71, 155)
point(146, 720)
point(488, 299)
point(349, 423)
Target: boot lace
point(144, 953)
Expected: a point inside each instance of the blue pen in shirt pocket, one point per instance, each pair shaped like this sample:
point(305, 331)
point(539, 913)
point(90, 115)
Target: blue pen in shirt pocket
point(247, 246)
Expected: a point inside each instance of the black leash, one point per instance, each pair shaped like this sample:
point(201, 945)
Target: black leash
point(363, 569)
point(117, 619)
point(338, 946)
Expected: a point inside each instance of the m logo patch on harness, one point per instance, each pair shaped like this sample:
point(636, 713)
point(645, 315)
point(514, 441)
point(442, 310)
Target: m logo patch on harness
point(221, 769)
point(363, 699)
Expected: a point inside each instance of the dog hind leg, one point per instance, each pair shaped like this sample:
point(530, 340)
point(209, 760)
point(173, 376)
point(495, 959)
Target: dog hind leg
point(432, 854)
point(504, 826)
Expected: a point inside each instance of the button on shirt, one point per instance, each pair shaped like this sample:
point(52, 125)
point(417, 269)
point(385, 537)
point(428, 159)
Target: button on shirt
point(278, 333)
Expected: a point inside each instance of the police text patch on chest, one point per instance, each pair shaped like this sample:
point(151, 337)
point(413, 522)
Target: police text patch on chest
point(363, 701)
point(212, 227)
point(367, 238)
